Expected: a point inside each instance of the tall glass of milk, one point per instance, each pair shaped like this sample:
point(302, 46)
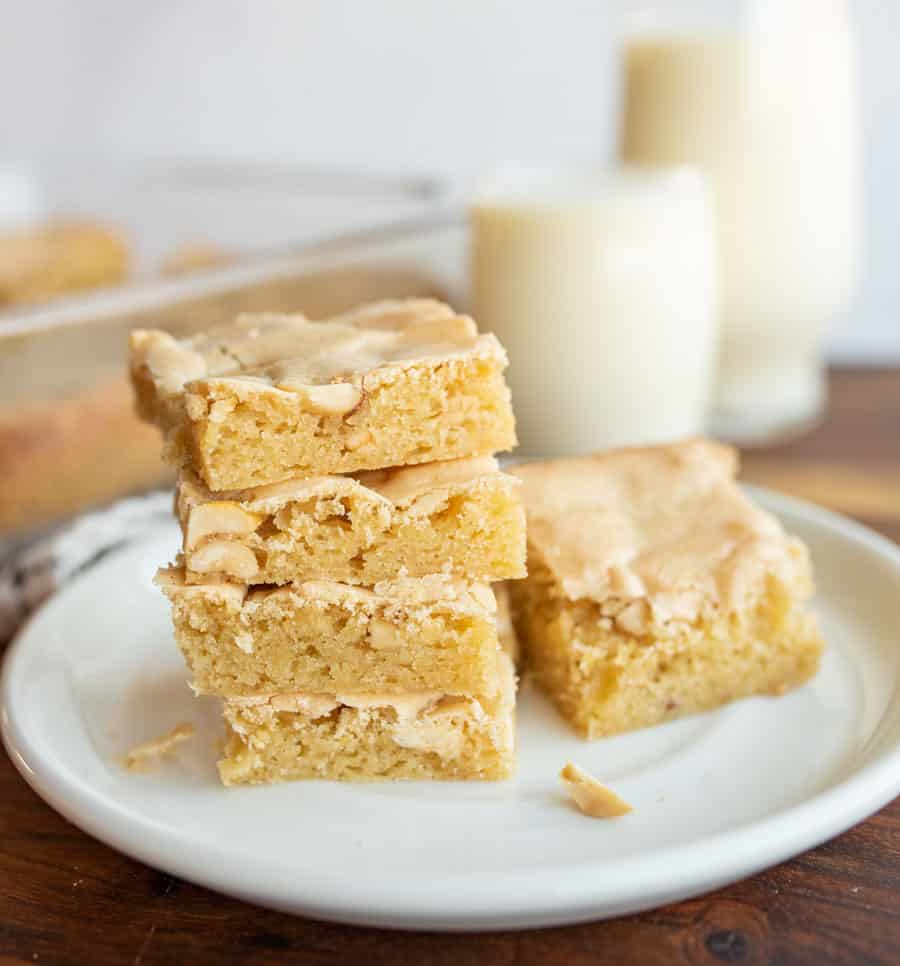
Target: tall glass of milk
point(603, 288)
point(766, 105)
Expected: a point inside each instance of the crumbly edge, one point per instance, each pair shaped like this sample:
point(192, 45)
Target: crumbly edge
point(475, 531)
point(452, 737)
point(605, 681)
point(235, 437)
point(286, 642)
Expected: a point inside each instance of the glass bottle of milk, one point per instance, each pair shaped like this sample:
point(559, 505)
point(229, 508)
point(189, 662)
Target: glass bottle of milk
point(762, 95)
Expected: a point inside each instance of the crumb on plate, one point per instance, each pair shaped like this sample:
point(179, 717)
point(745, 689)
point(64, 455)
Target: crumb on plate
point(590, 796)
point(147, 755)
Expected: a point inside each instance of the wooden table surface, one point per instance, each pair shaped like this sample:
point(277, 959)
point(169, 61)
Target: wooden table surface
point(65, 898)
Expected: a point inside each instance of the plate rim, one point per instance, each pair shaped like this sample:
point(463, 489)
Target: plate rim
point(545, 896)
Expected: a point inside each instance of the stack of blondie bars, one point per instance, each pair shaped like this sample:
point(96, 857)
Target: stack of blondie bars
point(342, 517)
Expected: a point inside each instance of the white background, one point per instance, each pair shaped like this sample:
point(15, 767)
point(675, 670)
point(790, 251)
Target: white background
point(395, 85)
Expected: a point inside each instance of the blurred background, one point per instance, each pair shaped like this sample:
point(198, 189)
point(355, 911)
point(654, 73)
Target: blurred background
point(167, 141)
point(170, 163)
point(393, 87)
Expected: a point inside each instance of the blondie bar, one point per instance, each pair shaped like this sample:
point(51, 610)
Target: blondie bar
point(58, 258)
point(365, 736)
point(462, 518)
point(271, 397)
point(656, 588)
point(430, 633)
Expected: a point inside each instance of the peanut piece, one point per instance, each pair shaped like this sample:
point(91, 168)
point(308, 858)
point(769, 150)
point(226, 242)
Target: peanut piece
point(590, 796)
point(357, 439)
point(225, 557)
point(330, 399)
point(382, 635)
point(216, 518)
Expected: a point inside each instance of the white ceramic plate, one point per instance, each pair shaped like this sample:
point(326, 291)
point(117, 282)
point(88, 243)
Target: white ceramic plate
point(715, 797)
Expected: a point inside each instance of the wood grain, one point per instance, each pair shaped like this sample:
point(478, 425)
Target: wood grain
point(856, 492)
point(68, 899)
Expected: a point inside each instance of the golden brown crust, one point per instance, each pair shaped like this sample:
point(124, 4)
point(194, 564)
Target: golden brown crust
point(269, 352)
point(655, 534)
point(272, 397)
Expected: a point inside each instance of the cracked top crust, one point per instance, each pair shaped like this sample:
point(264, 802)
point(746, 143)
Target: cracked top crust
point(397, 487)
point(450, 593)
point(330, 363)
point(655, 534)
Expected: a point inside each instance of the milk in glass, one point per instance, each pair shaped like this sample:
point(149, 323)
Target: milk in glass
point(603, 288)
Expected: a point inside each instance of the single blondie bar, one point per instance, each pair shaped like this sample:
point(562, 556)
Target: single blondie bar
point(58, 258)
point(271, 397)
point(657, 589)
point(319, 635)
point(367, 736)
point(462, 518)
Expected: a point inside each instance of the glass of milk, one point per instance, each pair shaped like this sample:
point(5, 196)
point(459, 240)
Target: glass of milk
point(764, 100)
point(603, 288)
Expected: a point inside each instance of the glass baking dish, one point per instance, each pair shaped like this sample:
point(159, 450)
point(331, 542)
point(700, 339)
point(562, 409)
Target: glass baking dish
point(68, 436)
point(237, 208)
